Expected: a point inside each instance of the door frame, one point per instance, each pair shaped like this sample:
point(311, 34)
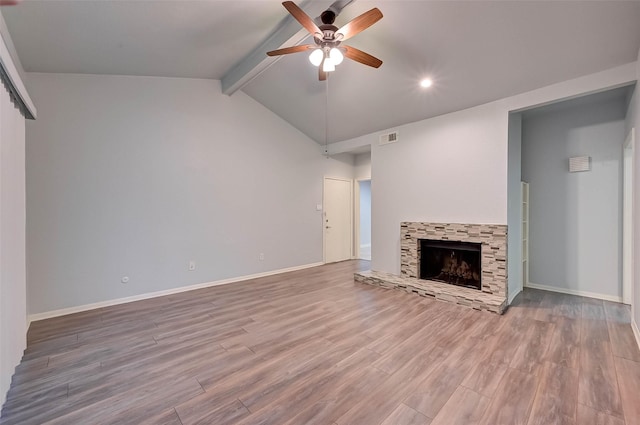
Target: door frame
point(524, 228)
point(628, 213)
point(324, 232)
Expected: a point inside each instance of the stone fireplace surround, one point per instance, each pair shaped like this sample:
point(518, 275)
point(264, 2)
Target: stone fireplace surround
point(492, 237)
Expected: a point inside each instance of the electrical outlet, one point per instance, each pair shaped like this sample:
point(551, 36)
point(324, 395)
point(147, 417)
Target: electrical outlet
point(192, 266)
point(261, 256)
point(125, 279)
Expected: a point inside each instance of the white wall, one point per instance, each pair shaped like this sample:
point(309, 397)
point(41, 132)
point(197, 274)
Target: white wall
point(13, 310)
point(575, 238)
point(514, 207)
point(453, 168)
point(450, 169)
point(362, 169)
point(136, 176)
point(13, 307)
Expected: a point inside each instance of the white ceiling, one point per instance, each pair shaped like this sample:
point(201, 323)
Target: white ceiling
point(475, 51)
point(179, 38)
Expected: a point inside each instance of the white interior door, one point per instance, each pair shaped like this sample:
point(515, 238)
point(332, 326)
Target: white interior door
point(337, 219)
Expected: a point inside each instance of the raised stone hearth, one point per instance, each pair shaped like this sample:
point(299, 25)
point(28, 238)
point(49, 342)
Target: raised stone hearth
point(440, 291)
point(493, 239)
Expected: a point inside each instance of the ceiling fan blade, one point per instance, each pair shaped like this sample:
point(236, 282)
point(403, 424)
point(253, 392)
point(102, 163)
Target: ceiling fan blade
point(360, 56)
point(321, 74)
point(302, 17)
point(292, 49)
point(360, 23)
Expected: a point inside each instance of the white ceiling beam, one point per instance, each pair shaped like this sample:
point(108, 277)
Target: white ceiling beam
point(288, 33)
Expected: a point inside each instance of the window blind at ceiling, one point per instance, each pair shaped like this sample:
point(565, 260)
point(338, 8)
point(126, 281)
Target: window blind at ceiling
point(14, 95)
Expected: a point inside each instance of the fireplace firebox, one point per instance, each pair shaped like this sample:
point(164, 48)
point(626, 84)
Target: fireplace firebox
point(453, 262)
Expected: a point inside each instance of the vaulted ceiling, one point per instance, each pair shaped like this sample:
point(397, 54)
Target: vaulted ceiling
point(474, 51)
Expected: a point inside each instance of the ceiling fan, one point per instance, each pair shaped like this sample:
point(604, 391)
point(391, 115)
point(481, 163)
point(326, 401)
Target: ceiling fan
point(328, 51)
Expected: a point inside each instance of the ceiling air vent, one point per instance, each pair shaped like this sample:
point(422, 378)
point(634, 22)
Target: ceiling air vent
point(385, 139)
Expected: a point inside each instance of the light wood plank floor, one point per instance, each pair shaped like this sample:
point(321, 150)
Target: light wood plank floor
point(313, 347)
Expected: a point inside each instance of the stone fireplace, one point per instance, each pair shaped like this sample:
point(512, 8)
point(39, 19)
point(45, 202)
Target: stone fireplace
point(467, 264)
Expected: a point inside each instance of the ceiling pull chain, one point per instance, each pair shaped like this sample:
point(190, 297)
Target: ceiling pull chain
point(326, 117)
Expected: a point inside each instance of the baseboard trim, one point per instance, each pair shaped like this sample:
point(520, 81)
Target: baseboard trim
point(93, 306)
point(512, 297)
point(636, 331)
point(574, 292)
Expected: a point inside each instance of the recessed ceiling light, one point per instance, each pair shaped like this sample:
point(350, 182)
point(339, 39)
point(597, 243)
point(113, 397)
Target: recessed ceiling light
point(426, 83)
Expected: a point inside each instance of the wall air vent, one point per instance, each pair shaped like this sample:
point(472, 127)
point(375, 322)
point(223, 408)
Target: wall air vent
point(385, 139)
point(579, 163)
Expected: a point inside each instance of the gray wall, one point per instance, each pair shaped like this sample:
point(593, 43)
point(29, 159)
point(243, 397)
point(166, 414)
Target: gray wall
point(575, 218)
point(365, 213)
point(136, 176)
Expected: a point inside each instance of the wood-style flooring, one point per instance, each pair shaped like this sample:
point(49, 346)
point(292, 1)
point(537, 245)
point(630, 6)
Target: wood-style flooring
point(313, 347)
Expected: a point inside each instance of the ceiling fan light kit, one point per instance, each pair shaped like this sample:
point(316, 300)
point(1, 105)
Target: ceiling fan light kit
point(336, 56)
point(327, 37)
point(316, 57)
point(328, 65)
point(326, 57)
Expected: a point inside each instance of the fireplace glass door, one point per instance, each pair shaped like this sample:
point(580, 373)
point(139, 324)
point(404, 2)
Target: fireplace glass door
point(452, 262)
